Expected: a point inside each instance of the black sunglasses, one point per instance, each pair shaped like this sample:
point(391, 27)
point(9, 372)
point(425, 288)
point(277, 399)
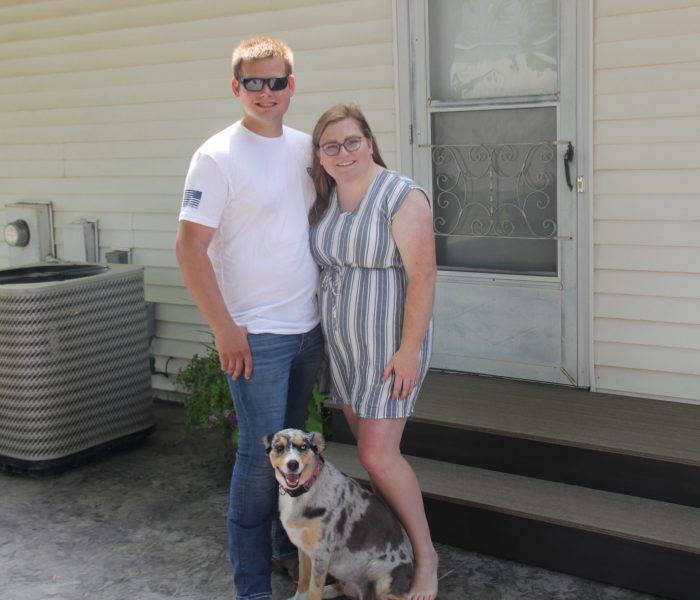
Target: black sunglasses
point(255, 84)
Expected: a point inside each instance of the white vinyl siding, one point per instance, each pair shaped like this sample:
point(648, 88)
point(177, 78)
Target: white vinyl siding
point(103, 103)
point(646, 204)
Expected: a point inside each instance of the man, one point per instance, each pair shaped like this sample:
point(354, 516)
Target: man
point(242, 246)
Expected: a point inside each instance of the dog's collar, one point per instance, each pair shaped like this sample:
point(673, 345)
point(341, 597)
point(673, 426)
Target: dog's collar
point(304, 487)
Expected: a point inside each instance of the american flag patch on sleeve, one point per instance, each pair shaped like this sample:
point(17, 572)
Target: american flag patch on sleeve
point(191, 199)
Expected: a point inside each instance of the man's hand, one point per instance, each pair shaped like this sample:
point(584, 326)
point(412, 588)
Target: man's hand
point(234, 351)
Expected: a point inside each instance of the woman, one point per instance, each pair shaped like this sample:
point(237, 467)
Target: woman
point(372, 236)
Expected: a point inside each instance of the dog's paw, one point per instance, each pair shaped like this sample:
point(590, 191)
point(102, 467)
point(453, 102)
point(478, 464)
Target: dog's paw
point(299, 596)
point(334, 590)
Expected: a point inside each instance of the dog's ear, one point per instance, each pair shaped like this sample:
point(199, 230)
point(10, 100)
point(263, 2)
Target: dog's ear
point(317, 442)
point(267, 441)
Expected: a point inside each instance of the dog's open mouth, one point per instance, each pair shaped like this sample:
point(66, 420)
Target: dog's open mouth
point(292, 479)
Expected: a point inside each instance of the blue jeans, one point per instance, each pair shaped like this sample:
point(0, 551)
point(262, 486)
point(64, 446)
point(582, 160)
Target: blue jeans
point(275, 397)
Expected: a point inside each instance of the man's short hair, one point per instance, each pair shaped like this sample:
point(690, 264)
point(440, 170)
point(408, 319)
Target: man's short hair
point(259, 47)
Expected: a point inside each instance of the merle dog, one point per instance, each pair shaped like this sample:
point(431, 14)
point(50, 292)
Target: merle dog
point(338, 526)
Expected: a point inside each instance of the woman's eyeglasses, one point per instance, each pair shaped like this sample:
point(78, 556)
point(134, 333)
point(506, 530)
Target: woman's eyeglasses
point(255, 84)
point(351, 145)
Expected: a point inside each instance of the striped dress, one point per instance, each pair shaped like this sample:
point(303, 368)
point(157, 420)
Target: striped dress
point(362, 296)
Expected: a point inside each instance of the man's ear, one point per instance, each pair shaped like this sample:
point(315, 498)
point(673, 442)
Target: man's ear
point(235, 87)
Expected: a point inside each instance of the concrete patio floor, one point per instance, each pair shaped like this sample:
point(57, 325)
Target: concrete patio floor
point(148, 523)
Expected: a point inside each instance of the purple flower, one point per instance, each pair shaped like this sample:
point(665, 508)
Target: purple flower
point(212, 418)
point(228, 415)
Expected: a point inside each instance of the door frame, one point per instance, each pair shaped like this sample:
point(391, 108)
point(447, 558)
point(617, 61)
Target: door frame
point(407, 78)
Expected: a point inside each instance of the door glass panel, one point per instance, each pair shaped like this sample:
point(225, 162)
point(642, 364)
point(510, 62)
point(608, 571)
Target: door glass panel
point(492, 48)
point(494, 174)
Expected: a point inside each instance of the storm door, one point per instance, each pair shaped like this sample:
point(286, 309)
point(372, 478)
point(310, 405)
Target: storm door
point(493, 138)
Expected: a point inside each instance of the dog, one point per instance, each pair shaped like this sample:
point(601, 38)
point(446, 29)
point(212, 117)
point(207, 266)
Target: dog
point(338, 526)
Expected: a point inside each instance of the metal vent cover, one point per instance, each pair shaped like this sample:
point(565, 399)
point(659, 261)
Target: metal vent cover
point(74, 369)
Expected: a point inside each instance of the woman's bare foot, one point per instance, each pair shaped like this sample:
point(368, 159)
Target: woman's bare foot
point(424, 585)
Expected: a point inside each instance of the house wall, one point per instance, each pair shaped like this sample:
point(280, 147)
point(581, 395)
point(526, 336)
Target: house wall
point(646, 137)
point(103, 103)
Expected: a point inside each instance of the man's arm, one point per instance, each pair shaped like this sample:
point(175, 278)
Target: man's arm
point(231, 340)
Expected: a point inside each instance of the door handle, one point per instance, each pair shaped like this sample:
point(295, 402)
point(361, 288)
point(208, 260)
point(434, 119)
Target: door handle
point(568, 157)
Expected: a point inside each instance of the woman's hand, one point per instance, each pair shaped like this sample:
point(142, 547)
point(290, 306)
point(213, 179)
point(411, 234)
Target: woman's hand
point(405, 367)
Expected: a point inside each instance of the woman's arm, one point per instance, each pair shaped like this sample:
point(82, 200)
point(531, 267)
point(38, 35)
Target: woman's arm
point(412, 230)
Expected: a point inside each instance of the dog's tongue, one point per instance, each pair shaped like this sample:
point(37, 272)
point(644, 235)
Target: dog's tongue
point(292, 479)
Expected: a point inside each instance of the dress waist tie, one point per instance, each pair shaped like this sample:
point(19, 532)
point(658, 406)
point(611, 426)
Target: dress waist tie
point(331, 281)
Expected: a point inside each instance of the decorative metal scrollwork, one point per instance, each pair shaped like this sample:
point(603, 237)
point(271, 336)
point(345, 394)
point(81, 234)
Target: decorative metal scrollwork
point(499, 190)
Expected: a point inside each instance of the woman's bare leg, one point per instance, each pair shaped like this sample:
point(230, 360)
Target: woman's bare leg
point(378, 445)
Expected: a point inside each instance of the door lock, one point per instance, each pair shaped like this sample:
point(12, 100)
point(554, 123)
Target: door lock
point(580, 188)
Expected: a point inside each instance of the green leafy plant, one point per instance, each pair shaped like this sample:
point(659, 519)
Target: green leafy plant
point(208, 402)
point(317, 417)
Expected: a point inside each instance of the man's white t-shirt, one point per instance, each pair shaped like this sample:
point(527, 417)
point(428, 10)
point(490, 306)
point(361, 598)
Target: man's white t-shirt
point(256, 192)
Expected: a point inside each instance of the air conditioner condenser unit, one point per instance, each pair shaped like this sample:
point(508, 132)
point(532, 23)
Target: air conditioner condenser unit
point(74, 370)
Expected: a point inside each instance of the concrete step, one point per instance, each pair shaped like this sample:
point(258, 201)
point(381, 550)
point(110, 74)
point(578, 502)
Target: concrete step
point(633, 446)
point(638, 543)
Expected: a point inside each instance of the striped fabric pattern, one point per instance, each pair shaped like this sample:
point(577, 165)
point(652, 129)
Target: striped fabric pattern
point(362, 296)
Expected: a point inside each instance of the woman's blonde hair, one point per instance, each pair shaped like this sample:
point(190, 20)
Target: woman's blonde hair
point(259, 47)
point(323, 182)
